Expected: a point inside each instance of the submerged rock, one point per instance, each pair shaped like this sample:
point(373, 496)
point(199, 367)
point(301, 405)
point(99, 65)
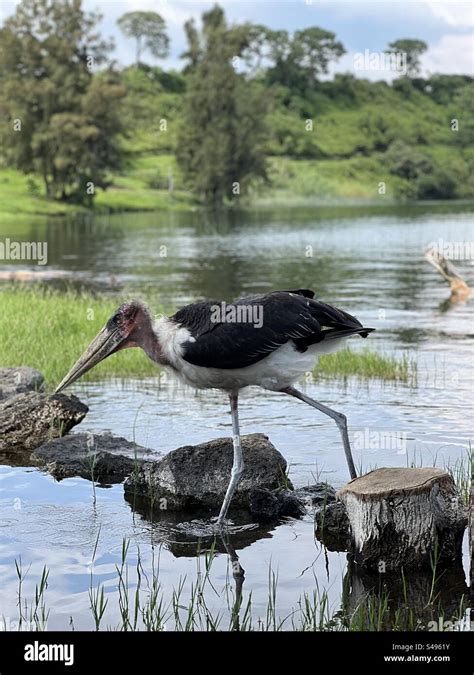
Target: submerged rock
point(268, 505)
point(99, 457)
point(317, 495)
point(19, 380)
point(196, 476)
point(332, 527)
point(28, 420)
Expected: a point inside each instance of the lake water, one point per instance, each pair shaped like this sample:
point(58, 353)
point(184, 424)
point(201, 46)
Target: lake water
point(368, 260)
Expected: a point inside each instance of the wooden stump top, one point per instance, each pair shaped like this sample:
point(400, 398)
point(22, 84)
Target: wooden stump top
point(384, 482)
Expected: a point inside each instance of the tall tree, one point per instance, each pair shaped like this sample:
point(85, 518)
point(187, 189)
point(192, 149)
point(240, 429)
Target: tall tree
point(413, 50)
point(59, 119)
point(313, 49)
point(149, 31)
point(298, 60)
point(193, 52)
point(220, 144)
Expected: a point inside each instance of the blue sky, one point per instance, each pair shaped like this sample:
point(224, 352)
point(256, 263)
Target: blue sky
point(446, 25)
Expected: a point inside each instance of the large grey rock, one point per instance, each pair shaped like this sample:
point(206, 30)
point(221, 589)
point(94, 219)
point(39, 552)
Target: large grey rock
point(19, 380)
point(28, 420)
point(100, 457)
point(197, 475)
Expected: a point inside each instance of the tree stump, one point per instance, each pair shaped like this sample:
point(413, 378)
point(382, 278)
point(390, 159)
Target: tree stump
point(404, 518)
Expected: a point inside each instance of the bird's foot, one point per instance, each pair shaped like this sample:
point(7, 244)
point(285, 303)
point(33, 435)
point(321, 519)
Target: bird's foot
point(228, 527)
point(220, 525)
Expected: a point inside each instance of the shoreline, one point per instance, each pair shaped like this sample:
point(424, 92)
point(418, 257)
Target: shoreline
point(258, 205)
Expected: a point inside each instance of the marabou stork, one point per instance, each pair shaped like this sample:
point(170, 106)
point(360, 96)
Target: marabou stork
point(266, 340)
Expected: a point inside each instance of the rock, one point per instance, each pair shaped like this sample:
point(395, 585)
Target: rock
point(100, 457)
point(332, 526)
point(267, 505)
point(404, 518)
point(317, 494)
point(197, 476)
point(15, 381)
point(28, 420)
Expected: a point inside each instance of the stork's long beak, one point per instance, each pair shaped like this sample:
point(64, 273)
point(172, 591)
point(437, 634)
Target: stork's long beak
point(104, 344)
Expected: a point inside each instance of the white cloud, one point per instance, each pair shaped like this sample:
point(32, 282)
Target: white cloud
point(175, 12)
point(452, 54)
point(453, 12)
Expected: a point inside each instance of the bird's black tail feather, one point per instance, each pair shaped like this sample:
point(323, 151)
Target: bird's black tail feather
point(362, 331)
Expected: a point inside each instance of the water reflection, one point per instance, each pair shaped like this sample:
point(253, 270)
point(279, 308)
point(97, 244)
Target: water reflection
point(424, 600)
point(190, 533)
point(418, 599)
point(369, 260)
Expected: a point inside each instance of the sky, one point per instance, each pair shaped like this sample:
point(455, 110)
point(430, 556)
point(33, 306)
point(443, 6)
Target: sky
point(447, 26)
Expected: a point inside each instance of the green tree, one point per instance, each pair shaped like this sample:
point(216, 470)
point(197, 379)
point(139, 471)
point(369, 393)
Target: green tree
point(59, 119)
point(462, 107)
point(194, 49)
point(298, 61)
point(313, 49)
point(149, 31)
point(220, 145)
point(413, 50)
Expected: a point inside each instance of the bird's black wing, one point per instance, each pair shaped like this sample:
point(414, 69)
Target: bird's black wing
point(272, 320)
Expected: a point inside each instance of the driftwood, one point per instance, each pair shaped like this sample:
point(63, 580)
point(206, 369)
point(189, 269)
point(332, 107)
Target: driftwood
point(459, 288)
point(404, 518)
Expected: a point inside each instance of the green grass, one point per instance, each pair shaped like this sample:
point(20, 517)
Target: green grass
point(17, 197)
point(144, 605)
point(341, 159)
point(462, 471)
point(48, 330)
point(129, 192)
point(366, 364)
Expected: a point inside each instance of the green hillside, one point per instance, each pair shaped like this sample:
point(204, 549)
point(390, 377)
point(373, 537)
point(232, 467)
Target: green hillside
point(363, 134)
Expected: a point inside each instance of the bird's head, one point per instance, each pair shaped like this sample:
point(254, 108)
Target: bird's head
point(125, 328)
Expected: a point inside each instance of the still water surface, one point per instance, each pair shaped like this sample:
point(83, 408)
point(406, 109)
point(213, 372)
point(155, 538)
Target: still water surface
point(366, 260)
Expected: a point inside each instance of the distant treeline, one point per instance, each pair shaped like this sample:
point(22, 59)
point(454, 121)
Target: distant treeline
point(246, 94)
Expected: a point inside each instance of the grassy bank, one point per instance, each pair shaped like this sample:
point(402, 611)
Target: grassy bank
point(143, 187)
point(23, 195)
point(48, 330)
point(367, 364)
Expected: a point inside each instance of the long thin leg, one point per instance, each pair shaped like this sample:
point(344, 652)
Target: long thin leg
point(239, 576)
point(238, 465)
point(339, 418)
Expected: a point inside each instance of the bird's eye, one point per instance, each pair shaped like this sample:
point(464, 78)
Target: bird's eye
point(116, 317)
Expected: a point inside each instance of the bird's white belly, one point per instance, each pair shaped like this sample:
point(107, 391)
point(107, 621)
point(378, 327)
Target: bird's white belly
point(276, 371)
